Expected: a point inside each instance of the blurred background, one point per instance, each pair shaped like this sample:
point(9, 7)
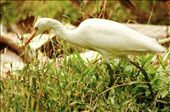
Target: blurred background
point(20, 15)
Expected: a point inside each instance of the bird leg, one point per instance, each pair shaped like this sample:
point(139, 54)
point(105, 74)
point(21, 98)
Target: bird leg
point(110, 71)
point(145, 75)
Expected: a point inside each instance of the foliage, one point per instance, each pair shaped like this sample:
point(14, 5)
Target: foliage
point(80, 86)
point(143, 11)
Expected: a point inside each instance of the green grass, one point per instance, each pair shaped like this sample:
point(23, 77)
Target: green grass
point(78, 86)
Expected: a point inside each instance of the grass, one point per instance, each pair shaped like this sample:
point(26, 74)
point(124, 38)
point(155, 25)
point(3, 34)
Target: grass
point(80, 86)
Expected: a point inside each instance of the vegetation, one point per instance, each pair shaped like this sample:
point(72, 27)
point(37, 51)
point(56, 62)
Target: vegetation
point(78, 86)
point(81, 86)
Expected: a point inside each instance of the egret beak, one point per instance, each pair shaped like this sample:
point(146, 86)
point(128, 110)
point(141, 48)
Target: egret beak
point(29, 39)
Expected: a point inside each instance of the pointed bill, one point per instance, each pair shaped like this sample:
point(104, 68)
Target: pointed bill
point(30, 38)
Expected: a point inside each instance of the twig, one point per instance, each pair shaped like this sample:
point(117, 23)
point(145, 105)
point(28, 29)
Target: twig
point(165, 40)
point(13, 42)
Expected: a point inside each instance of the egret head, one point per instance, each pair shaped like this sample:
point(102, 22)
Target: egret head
point(41, 25)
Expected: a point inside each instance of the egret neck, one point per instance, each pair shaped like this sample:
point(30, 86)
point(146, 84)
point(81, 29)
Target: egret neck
point(69, 35)
point(58, 27)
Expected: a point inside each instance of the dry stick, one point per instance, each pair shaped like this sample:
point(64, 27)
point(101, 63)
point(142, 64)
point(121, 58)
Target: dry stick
point(11, 41)
point(146, 77)
point(165, 40)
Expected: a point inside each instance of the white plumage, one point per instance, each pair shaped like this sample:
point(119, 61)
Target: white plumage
point(105, 36)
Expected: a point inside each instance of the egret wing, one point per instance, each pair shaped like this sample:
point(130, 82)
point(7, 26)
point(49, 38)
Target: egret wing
point(113, 37)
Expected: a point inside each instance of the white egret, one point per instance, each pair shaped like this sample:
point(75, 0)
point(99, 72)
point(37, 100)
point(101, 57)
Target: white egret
point(105, 36)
